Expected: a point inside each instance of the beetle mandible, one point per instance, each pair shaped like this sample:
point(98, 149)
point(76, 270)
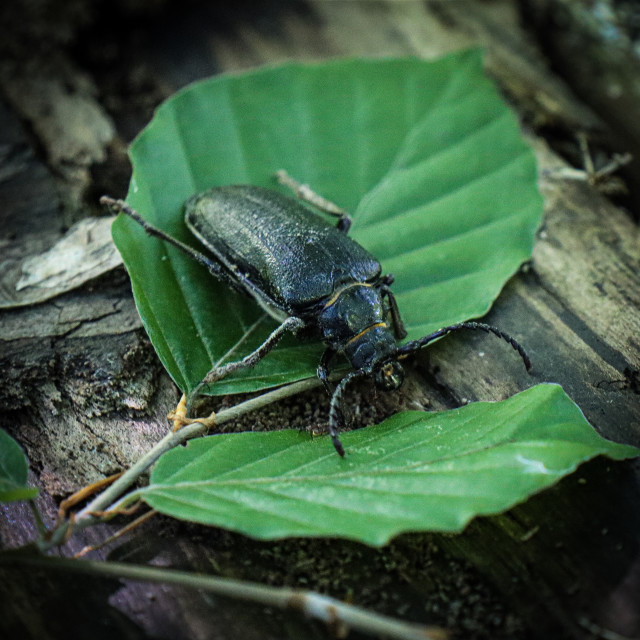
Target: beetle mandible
point(307, 274)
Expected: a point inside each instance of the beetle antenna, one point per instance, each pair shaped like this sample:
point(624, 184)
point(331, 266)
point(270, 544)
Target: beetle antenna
point(415, 345)
point(335, 413)
point(120, 206)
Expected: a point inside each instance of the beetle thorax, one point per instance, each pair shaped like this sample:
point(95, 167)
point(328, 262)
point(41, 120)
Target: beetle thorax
point(353, 322)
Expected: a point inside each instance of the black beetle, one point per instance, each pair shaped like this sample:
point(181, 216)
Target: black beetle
point(304, 273)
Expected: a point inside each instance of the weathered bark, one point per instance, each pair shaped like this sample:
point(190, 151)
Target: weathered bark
point(84, 393)
point(596, 46)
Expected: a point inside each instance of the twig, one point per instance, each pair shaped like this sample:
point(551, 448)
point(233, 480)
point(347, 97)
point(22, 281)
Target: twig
point(40, 525)
point(107, 498)
point(602, 179)
point(601, 632)
point(329, 610)
point(132, 525)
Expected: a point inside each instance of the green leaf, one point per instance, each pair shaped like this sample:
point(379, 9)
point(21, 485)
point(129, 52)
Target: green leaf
point(424, 154)
point(416, 471)
point(13, 471)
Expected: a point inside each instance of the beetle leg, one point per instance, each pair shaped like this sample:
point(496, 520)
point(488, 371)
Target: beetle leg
point(217, 373)
point(415, 345)
point(398, 326)
point(323, 369)
point(305, 193)
point(120, 206)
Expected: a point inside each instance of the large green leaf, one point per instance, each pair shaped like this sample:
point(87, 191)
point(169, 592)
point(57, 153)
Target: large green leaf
point(416, 471)
point(13, 471)
point(425, 155)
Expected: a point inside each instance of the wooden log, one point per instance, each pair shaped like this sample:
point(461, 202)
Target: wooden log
point(85, 395)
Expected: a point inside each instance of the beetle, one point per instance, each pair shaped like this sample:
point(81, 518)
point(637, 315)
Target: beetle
point(305, 273)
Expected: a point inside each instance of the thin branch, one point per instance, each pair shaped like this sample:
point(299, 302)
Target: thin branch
point(132, 525)
point(107, 498)
point(40, 525)
point(329, 610)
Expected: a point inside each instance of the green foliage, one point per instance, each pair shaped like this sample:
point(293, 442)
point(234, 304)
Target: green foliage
point(443, 190)
point(416, 471)
point(13, 471)
point(425, 155)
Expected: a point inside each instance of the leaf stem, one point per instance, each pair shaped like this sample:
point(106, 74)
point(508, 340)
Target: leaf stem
point(40, 525)
point(329, 610)
point(104, 500)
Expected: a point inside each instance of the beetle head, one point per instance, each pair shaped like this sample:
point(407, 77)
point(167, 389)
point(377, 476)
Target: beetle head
point(354, 322)
point(389, 376)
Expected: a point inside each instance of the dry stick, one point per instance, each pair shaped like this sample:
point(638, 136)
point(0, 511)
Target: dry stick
point(79, 496)
point(130, 527)
point(173, 439)
point(329, 610)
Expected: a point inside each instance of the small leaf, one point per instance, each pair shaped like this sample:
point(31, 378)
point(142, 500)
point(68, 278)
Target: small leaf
point(424, 154)
point(416, 471)
point(13, 471)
